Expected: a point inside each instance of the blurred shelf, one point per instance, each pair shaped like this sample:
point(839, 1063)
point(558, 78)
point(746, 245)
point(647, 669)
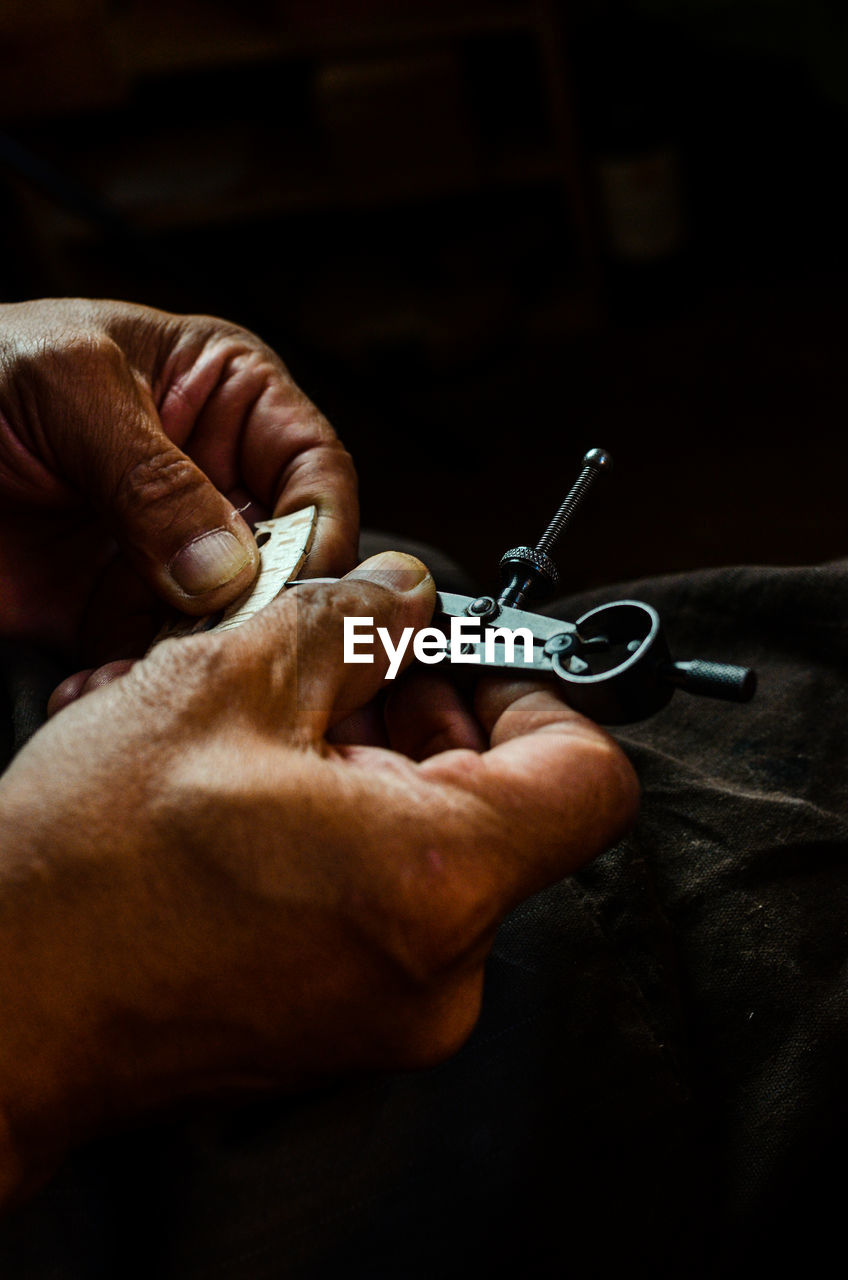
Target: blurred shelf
point(252, 114)
point(154, 39)
point(154, 196)
point(215, 116)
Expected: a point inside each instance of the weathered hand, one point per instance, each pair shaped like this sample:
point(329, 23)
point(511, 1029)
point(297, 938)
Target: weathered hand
point(134, 446)
point(201, 892)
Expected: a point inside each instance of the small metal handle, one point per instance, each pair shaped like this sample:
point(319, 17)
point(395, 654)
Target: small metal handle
point(712, 679)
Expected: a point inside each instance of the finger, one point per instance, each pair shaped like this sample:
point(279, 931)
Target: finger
point(387, 598)
point(426, 714)
point(68, 691)
point(325, 477)
point(552, 793)
point(410, 579)
point(179, 531)
point(104, 675)
point(364, 727)
point(253, 429)
point(83, 682)
point(507, 709)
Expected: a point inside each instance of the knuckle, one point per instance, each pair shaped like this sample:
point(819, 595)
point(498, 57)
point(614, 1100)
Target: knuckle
point(320, 611)
point(242, 341)
point(309, 616)
point(239, 352)
point(161, 477)
point(341, 457)
point(181, 671)
point(68, 360)
point(92, 344)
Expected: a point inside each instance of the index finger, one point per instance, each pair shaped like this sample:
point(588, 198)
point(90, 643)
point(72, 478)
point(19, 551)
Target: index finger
point(230, 402)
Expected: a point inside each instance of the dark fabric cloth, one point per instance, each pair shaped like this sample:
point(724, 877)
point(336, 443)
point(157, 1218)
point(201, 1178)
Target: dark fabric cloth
point(27, 678)
point(657, 1085)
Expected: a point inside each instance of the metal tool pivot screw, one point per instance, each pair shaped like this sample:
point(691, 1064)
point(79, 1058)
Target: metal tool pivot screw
point(566, 642)
point(484, 607)
point(529, 572)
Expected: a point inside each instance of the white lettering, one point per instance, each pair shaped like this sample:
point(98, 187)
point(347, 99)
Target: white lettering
point(351, 640)
point(429, 645)
point(509, 637)
point(458, 639)
point(394, 654)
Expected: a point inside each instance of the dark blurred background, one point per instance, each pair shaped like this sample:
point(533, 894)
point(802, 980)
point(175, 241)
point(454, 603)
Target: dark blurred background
point(486, 235)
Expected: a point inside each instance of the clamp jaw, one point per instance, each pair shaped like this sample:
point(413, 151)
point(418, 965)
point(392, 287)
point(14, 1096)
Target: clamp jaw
point(613, 664)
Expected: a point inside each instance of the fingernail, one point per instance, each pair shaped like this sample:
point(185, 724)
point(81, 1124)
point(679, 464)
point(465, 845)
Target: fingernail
point(208, 562)
point(392, 569)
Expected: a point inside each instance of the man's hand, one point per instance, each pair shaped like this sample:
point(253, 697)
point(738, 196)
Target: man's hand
point(200, 891)
point(135, 447)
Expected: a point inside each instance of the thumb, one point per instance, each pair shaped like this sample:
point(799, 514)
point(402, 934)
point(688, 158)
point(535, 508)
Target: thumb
point(356, 633)
point(180, 533)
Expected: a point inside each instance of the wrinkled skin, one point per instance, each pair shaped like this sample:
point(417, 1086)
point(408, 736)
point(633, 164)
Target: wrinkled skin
point(126, 434)
point(248, 870)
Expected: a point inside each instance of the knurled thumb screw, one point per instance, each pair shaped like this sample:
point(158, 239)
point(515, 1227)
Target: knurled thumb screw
point(529, 572)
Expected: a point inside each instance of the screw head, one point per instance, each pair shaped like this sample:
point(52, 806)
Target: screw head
point(566, 642)
point(599, 459)
point(482, 607)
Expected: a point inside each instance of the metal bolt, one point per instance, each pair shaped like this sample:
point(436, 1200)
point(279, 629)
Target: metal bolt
point(482, 607)
point(595, 461)
point(565, 642)
point(529, 572)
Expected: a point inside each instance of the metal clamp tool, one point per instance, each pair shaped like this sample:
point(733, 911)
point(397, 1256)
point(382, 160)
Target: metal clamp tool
point(613, 663)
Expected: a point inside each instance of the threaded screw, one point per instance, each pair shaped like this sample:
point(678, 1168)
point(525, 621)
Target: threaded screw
point(595, 461)
point(529, 571)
